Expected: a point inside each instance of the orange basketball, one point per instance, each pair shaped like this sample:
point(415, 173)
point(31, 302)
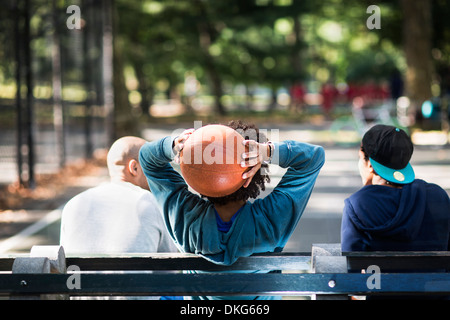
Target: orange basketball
point(211, 160)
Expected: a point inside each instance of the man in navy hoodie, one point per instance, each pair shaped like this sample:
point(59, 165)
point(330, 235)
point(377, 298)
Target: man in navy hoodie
point(393, 211)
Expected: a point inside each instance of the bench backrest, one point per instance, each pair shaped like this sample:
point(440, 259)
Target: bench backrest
point(322, 272)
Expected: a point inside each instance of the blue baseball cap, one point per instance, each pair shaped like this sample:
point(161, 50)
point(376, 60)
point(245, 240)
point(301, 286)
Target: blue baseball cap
point(390, 150)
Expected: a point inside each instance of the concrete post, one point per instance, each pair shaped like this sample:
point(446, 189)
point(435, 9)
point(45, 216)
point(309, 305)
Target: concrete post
point(43, 259)
point(327, 258)
point(55, 254)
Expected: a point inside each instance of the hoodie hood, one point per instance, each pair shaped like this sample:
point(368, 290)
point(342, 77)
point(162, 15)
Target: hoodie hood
point(390, 212)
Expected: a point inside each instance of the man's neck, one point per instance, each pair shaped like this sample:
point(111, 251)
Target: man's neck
point(226, 211)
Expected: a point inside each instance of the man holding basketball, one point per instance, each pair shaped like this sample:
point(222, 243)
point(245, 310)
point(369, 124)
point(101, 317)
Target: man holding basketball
point(226, 228)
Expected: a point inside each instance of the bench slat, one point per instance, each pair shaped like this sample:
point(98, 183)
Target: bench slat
point(224, 284)
point(387, 261)
point(391, 261)
point(192, 262)
point(180, 261)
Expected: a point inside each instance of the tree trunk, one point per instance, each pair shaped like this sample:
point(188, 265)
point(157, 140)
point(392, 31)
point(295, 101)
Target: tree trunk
point(145, 88)
point(205, 37)
point(88, 78)
point(296, 50)
point(417, 34)
point(125, 122)
point(30, 98)
point(108, 70)
point(18, 71)
point(58, 112)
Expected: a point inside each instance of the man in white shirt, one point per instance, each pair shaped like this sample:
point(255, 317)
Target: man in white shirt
point(116, 217)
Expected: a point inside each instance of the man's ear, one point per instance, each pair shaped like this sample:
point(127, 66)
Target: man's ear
point(371, 170)
point(132, 167)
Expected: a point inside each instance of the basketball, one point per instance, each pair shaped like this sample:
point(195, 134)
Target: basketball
point(210, 161)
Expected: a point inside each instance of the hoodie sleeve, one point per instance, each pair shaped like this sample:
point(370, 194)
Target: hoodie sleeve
point(351, 238)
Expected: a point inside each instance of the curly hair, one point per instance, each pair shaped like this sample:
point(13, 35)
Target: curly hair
point(250, 132)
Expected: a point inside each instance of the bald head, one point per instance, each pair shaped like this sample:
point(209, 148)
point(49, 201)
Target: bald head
point(123, 159)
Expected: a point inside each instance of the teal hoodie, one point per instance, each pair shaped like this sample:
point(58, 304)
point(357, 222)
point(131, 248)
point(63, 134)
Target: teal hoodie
point(263, 225)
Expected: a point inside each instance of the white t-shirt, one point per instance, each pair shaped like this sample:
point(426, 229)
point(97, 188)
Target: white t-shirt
point(114, 218)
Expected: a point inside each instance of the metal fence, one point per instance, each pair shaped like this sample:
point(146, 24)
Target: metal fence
point(52, 108)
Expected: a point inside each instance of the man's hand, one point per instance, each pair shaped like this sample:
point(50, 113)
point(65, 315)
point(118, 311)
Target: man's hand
point(255, 154)
point(178, 143)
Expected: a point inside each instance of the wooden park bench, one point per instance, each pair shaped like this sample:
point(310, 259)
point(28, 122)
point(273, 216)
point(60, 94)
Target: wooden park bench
point(325, 273)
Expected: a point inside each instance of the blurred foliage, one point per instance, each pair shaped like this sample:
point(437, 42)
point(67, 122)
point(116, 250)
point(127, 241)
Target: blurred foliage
point(256, 43)
point(271, 43)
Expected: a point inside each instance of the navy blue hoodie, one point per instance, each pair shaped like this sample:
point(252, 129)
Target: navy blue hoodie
point(413, 218)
